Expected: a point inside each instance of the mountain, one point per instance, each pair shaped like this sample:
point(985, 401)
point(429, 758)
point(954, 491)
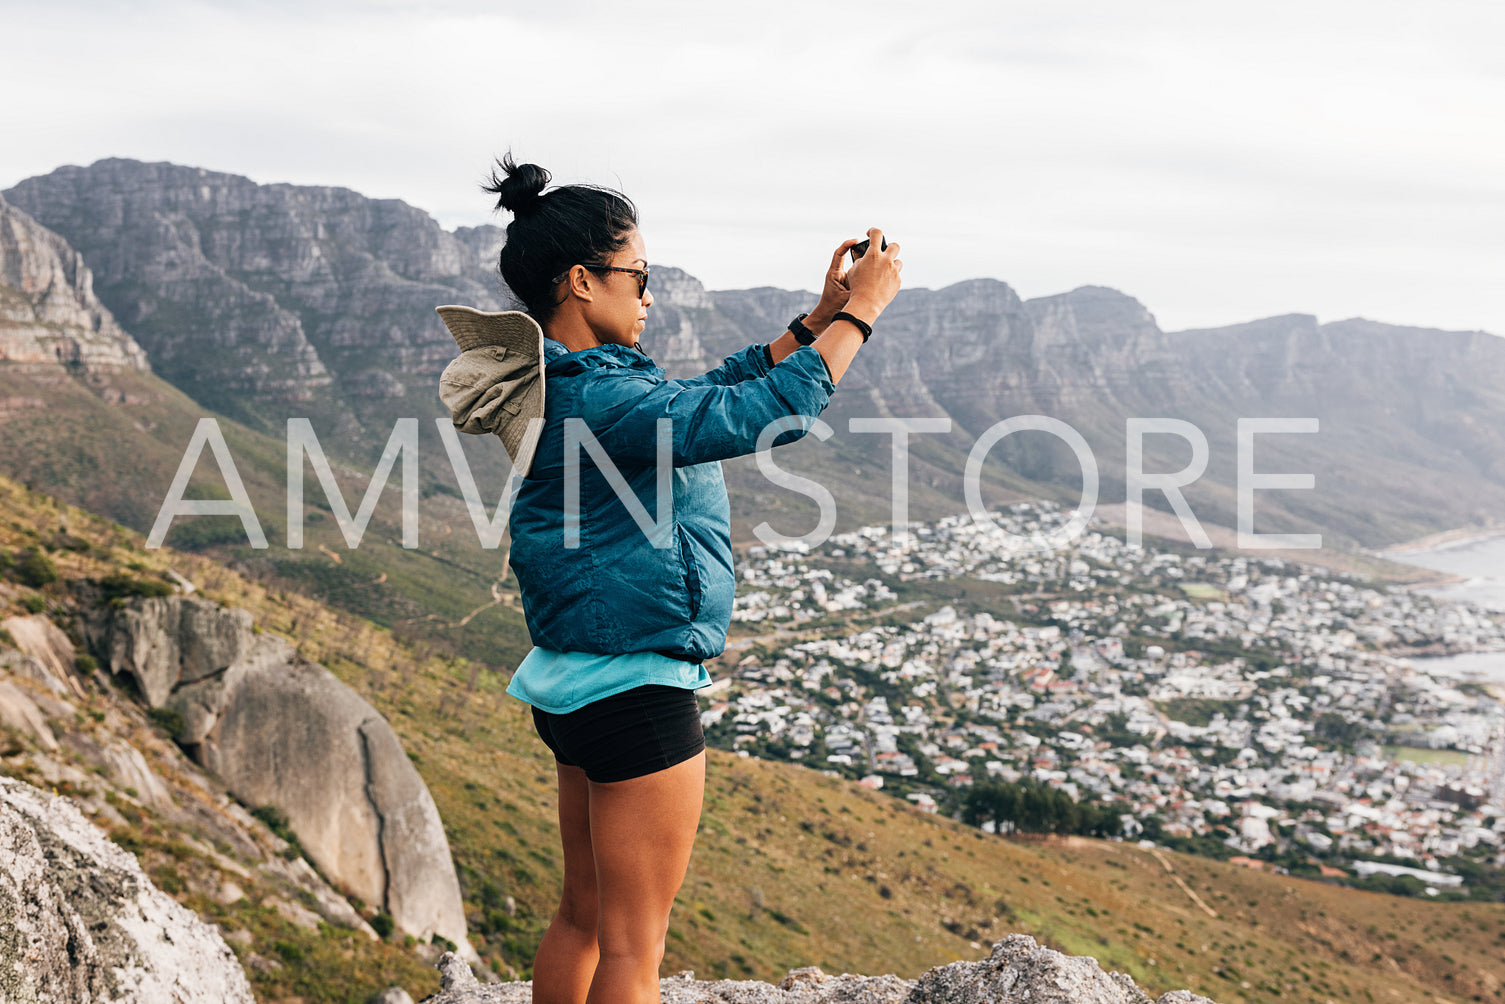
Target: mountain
point(261, 297)
point(260, 303)
point(1411, 418)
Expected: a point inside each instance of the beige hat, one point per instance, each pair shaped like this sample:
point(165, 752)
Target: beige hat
point(496, 384)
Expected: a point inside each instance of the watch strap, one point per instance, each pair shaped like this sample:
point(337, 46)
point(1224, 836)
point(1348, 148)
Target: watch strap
point(859, 323)
point(802, 334)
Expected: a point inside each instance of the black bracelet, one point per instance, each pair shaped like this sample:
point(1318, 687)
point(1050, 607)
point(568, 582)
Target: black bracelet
point(802, 334)
point(862, 326)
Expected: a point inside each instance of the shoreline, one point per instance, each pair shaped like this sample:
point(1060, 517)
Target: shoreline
point(1433, 541)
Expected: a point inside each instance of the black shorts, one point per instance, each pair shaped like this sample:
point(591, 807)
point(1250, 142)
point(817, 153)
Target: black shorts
point(639, 731)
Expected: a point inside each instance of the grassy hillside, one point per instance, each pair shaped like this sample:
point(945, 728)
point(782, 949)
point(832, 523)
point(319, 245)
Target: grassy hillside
point(791, 867)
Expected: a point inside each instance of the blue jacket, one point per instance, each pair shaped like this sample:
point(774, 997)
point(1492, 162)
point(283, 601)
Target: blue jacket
point(616, 592)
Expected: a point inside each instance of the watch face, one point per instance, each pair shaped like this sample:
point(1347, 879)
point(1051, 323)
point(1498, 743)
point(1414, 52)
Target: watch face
point(802, 334)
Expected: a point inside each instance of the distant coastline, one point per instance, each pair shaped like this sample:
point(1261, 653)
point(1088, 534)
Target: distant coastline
point(1472, 558)
point(1432, 541)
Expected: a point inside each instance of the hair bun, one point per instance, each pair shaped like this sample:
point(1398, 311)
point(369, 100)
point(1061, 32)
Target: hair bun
point(522, 188)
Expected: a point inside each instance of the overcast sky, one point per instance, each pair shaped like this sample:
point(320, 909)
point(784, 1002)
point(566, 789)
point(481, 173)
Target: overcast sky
point(1220, 162)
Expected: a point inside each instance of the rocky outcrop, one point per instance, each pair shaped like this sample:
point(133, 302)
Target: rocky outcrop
point(48, 310)
point(1019, 970)
point(281, 731)
point(83, 923)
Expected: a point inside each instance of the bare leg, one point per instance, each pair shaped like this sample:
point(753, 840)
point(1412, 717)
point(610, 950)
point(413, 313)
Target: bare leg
point(643, 830)
point(567, 954)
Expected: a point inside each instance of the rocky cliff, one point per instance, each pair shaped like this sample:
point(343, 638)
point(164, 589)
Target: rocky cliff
point(48, 310)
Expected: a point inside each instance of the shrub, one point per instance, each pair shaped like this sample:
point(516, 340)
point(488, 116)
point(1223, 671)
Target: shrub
point(171, 721)
point(382, 924)
point(34, 604)
point(6, 638)
point(85, 663)
point(35, 569)
point(442, 942)
point(120, 585)
point(276, 821)
point(63, 540)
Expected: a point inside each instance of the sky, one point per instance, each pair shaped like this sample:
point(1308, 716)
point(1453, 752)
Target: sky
point(1219, 162)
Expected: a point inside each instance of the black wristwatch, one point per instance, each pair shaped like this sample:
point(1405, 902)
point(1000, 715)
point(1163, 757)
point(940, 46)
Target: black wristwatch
point(802, 334)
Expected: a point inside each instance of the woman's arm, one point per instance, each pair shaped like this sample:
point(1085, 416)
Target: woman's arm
point(716, 422)
point(834, 294)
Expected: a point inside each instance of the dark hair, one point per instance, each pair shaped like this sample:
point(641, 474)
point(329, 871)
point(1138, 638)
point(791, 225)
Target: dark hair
point(549, 233)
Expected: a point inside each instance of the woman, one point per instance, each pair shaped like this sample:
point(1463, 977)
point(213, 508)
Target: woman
point(623, 559)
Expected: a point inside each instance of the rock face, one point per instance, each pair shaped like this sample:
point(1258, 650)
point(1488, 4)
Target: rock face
point(1396, 406)
point(1019, 970)
point(271, 292)
point(279, 730)
point(83, 923)
point(48, 310)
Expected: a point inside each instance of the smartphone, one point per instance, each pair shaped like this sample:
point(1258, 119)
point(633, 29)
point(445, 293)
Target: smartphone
point(860, 248)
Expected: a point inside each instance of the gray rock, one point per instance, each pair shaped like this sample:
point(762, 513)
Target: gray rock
point(163, 642)
point(22, 665)
point(1018, 972)
point(48, 648)
point(281, 731)
point(20, 712)
point(393, 995)
point(83, 923)
point(454, 974)
point(129, 769)
point(48, 311)
point(1019, 964)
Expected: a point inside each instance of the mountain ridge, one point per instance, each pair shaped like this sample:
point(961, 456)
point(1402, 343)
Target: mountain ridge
point(327, 299)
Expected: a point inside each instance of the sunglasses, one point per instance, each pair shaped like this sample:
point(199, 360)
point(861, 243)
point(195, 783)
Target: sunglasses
point(641, 273)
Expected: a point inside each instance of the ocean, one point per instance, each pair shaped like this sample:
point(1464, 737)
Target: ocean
point(1481, 562)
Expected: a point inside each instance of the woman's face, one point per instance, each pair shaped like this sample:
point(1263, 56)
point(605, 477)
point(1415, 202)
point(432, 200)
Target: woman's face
point(616, 314)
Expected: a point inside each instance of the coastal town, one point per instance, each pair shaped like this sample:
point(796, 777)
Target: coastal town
point(1281, 715)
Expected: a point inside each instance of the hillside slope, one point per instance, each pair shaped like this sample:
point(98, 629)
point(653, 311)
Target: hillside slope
point(791, 867)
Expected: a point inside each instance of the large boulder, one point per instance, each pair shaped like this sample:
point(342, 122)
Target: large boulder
point(83, 923)
point(282, 731)
point(165, 642)
point(1019, 970)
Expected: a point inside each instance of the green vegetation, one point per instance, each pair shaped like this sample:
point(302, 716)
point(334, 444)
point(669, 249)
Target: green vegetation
point(1196, 711)
point(1418, 754)
point(1036, 808)
point(120, 586)
point(171, 721)
point(34, 569)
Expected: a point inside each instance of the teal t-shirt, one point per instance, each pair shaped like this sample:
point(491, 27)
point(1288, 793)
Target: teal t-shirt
point(561, 682)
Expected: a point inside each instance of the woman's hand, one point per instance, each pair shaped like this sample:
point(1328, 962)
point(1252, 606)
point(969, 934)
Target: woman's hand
point(873, 279)
point(834, 293)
